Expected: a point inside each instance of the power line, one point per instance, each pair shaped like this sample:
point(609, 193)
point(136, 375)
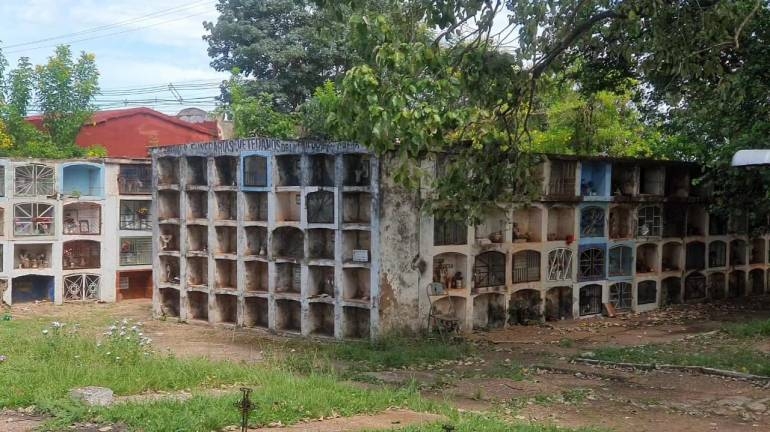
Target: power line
point(107, 34)
point(104, 27)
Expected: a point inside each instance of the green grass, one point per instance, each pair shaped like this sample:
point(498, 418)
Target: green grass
point(486, 423)
point(735, 356)
point(749, 329)
point(399, 352)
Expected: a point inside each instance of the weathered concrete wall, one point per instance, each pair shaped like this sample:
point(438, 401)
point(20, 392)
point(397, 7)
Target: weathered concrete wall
point(399, 250)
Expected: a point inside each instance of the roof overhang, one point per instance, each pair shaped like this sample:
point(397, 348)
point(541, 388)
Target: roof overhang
point(751, 158)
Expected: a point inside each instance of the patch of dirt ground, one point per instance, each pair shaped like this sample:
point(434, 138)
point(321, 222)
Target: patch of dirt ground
point(382, 421)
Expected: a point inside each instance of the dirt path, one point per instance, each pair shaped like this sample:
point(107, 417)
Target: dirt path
point(383, 421)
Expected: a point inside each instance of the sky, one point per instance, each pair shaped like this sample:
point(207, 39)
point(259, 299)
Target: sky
point(137, 43)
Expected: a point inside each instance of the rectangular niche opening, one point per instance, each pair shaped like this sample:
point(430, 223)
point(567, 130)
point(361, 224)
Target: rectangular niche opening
point(696, 221)
point(255, 312)
point(288, 278)
point(197, 171)
point(527, 225)
point(651, 180)
point(256, 276)
point(169, 302)
point(169, 237)
point(168, 171)
point(256, 206)
point(562, 179)
point(288, 207)
point(561, 223)
point(449, 232)
point(197, 205)
point(288, 315)
point(256, 241)
point(356, 323)
point(289, 172)
point(321, 319)
point(623, 180)
point(321, 243)
point(356, 170)
point(227, 206)
point(356, 284)
point(357, 245)
point(198, 272)
point(227, 309)
point(357, 207)
point(168, 204)
point(321, 281)
point(592, 179)
point(677, 182)
point(492, 227)
point(255, 171)
point(321, 170)
point(320, 207)
point(227, 240)
point(198, 238)
point(169, 270)
point(32, 256)
point(225, 169)
point(675, 225)
point(198, 306)
point(226, 274)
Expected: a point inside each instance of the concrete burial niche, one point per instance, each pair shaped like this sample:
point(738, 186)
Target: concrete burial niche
point(197, 272)
point(226, 274)
point(168, 171)
point(197, 306)
point(356, 323)
point(288, 278)
point(227, 240)
point(288, 243)
point(256, 277)
point(356, 170)
point(255, 312)
point(169, 301)
point(321, 319)
point(321, 281)
point(320, 207)
point(288, 315)
point(197, 171)
point(289, 172)
point(322, 170)
point(256, 241)
point(225, 171)
point(256, 207)
point(321, 244)
point(226, 309)
point(168, 205)
point(226, 206)
point(197, 238)
point(31, 288)
point(197, 205)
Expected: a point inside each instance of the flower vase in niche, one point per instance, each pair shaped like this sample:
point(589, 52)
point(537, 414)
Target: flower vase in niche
point(496, 237)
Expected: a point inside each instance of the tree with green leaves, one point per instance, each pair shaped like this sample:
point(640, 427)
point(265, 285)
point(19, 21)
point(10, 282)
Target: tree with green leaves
point(448, 80)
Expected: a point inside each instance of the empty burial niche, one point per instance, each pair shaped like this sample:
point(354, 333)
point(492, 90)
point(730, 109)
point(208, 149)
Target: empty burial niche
point(197, 205)
point(672, 257)
point(169, 270)
point(671, 291)
point(255, 312)
point(449, 232)
point(169, 302)
point(256, 241)
point(695, 256)
point(288, 315)
point(256, 207)
point(651, 180)
point(287, 206)
point(288, 278)
point(197, 171)
point(320, 207)
point(623, 180)
point(321, 170)
point(621, 222)
point(696, 221)
point(226, 205)
point(524, 307)
point(288, 171)
point(737, 252)
point(197, 272)
point(646, 292)
point(288, 243)
point(226, 274)
point(321, 243)
point(255, 279)
point(717, 286)
point(757, 282)
point(255, 171)
point(168, 204)
point(561, 221)
point(356, 170)
point(562, 179)
point(168, 171)
point(168, 238)
point(357, 207)
point(695, 287)
point(489, 311)
point(757, 255)
point(717, 224)
point(225, 170)
point(492, 228)
point(675, 224)
point(197, 238)
point(226, 310)
point(356, 284)
point(736, 284)
point(527, 225)
point(356, 245)
point(321, 319)
point(357, 323)
point(717, 254)
point(321, 281)
point(227, 240)
point(198, 306)
point(677, 182)
point(646, 258)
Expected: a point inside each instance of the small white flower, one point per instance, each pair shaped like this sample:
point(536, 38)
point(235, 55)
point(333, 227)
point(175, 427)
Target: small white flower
point(45, 331)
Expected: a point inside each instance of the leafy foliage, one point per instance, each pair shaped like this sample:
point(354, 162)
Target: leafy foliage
point(255, 115)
